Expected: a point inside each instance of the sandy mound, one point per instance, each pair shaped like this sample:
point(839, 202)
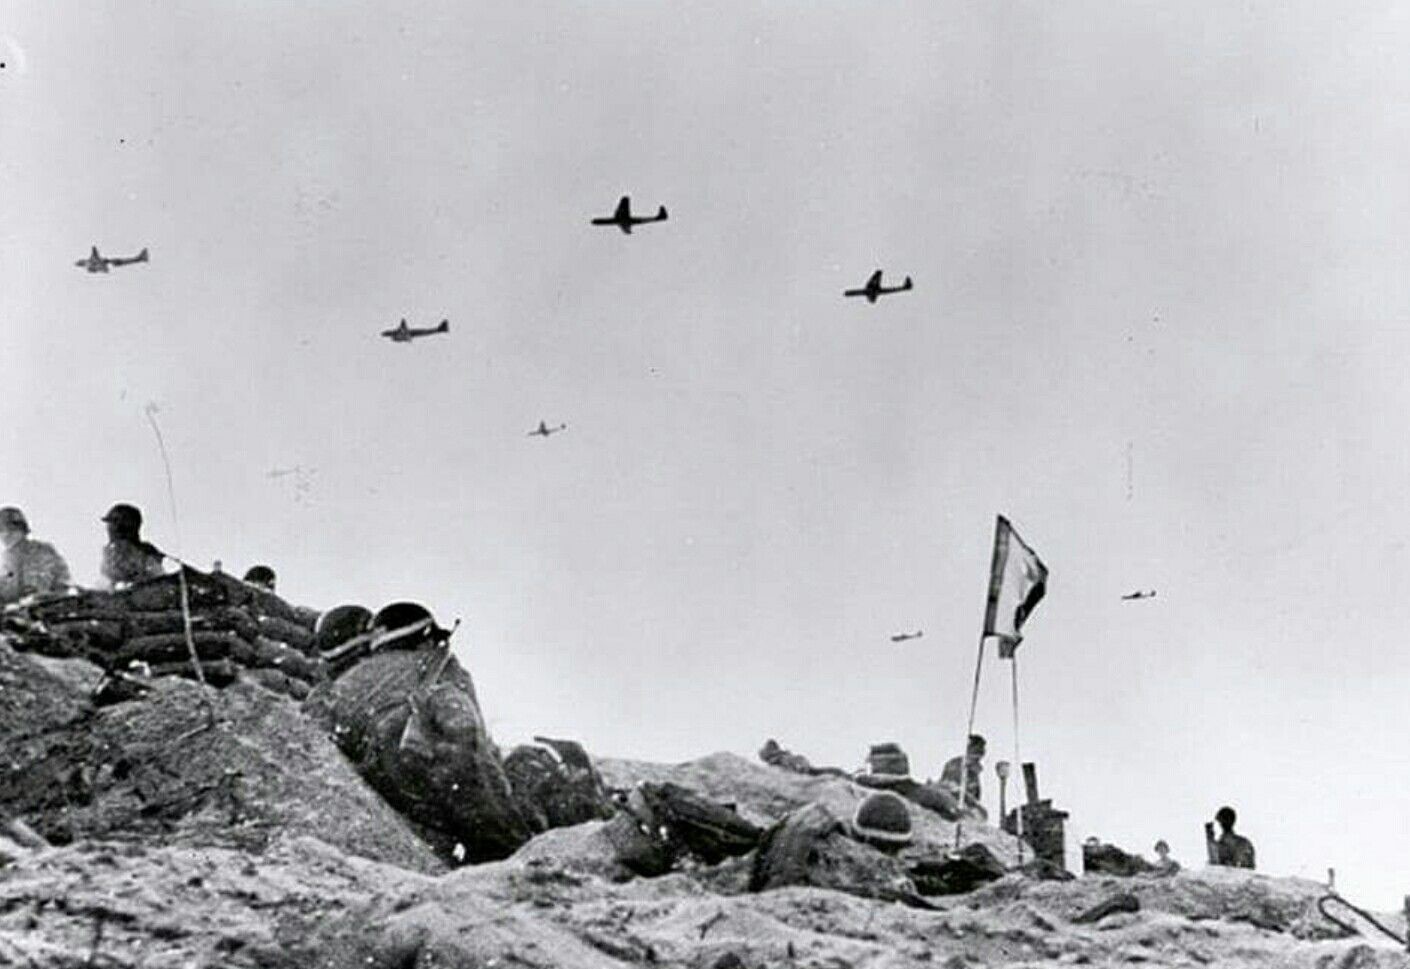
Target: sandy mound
point(764, 794)
point(150, 770)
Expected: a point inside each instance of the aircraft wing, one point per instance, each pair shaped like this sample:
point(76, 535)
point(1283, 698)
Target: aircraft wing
point(624, 208)
point(94, 254)
point(875, 281)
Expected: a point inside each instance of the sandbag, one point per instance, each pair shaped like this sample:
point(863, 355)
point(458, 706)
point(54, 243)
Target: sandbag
point(218, 673)
point(163, 593)
point(104, 634)
point(287, 660)
point(172, 646)
point(448, 776)
point(224, 618)
point(285, 631)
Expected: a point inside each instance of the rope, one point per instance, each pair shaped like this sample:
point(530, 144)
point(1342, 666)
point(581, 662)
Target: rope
point(1334, 897)
point(151, 412)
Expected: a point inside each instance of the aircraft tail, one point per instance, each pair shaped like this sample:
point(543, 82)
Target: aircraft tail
point(661, 213)
point(444, 327)
point(141, 256)
point(907, 284)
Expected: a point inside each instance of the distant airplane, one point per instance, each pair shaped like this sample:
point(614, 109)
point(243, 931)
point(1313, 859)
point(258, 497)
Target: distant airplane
point(873, 288)
point(405, 334)
point(543, 430)
point(902, 637)
point(1148, 594)
point(624, 220)
point(100, 264)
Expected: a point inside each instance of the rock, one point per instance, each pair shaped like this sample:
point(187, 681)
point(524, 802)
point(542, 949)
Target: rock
point(691, 822)
point(1120, 902)
point(1108, 859)
point(765, 795)
point(957, 872)
point(555, 784)
point(811, 847)
point(423, 746)
point(157, 769)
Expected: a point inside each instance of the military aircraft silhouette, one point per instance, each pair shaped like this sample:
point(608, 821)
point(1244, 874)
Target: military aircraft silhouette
point(1149, 594)
point(902, 637)
point(624, 220)
point(100, 264)
point(405, 334)
point(543, 430)
point(873, 288)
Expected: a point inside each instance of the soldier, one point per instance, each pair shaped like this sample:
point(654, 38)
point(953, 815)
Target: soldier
point(1165, 865)
point(261, 576)
point(1229, 849)
point(971, 766)
point(29, 566)
point(126, 557)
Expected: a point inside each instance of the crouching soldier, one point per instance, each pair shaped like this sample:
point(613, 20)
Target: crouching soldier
point(29, 566)
point(126, 557)
point(405, 713)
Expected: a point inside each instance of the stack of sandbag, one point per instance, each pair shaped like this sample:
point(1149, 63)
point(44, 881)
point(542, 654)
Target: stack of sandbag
point(236, 629)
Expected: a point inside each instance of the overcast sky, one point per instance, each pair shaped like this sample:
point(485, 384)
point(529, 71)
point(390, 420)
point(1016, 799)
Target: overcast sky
point(1159, 321)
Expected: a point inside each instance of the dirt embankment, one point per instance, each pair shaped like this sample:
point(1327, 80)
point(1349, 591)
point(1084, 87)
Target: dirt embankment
point(253, 843)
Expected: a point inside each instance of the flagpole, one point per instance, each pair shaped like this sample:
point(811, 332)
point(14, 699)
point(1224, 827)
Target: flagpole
point(969, 730)
point(1018, 812)
point(996, 569)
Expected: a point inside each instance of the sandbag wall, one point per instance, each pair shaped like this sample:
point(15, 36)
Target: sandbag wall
point(237, 630)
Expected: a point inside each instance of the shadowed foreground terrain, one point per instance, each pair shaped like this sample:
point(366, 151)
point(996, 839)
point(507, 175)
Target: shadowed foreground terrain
point(254, 843)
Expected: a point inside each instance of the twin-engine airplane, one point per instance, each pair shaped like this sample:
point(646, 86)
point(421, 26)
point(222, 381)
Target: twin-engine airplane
point(101, 264)
point(405, 334)
point(873, 288)
point(624, 220)
point(902, 637)
point(1148, 594)
point(543, 430)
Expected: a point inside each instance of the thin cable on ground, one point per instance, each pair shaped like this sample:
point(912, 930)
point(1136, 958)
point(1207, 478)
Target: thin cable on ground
point(1334, 897)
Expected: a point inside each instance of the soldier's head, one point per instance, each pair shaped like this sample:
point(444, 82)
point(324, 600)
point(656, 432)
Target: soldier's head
point(1226, 818)
point(123, 521)
point(1162, 849)
point(13, 526)
point(976, 746)
point(407, 625)
point(262, 576)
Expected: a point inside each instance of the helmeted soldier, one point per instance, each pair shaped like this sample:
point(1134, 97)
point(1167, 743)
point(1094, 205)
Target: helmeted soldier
point(261, 576)
point(126, 557)
point(29, 566)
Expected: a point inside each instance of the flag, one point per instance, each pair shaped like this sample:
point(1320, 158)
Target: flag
point(1017, 581)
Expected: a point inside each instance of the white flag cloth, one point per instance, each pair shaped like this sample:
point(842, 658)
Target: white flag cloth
point(1017, 581)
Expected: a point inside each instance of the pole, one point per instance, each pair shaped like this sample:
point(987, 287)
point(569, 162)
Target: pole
point(968, 731)
point(1018, 826)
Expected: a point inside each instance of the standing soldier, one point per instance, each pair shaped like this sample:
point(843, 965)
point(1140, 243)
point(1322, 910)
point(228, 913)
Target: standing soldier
point(961, 776)
point(1229, 849)
point(126, 557)
point(29, 566)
